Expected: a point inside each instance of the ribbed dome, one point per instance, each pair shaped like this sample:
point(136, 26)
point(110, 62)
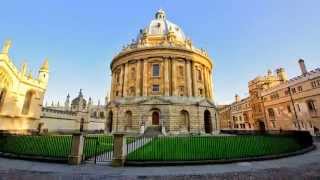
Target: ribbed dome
point(160, 26)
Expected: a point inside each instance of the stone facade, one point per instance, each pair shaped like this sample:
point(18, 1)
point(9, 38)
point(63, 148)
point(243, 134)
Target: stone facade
point(21, 94)
point(241, 114)
point(295, 104)
point(276, 103)
point(79, 115)
point(161, 79)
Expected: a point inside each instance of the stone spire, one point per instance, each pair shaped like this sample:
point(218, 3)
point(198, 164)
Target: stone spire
point(67, 103)
point(6, 47)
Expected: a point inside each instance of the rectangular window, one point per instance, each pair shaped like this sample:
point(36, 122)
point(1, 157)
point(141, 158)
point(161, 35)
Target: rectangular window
point(155, 88)
point(293, 90)
point(311, 106)
point(299, 88)
point(199, 75)
point(155, 70)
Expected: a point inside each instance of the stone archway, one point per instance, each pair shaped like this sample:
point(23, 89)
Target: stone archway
point(110, 122)
point(207, 122)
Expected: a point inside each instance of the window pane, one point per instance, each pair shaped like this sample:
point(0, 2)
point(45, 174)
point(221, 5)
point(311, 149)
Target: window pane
point(155, 70)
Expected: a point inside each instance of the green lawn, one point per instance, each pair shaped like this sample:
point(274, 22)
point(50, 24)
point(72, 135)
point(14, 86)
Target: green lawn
point(57, 147)
point(213, 148)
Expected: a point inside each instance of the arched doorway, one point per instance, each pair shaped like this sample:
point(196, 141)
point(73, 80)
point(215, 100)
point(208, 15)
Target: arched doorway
point(155, 118)
point(262, 126)
point(207, 122)
point(110, 121)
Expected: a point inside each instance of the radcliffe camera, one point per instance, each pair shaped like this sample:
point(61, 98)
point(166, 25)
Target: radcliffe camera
point(159, 90)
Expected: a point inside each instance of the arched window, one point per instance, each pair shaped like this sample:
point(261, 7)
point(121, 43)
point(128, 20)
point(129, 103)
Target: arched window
point(27, 102)
point(271, 113)
point(3, 93)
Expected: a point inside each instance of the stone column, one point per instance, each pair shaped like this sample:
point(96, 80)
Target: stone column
point(122, 79)
point(166, 77)
point(75, 157)
point(173, 77)
point(188, 76)
point(204, 81)
point(119, 149)
point(138, 79)
point(125, 79)
point(211, 85)
point(145, 78)
point(194, 80)
point(112, 87)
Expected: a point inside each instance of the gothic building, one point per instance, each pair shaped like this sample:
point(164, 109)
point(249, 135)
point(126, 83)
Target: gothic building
point(76, 115)
point(21, 94)
point(161, 81)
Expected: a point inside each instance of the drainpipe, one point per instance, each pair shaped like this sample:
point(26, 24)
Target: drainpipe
point(294, 108)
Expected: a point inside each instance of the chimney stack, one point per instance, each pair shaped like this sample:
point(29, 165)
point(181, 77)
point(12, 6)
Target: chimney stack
point(237, 98)
point(302, 67)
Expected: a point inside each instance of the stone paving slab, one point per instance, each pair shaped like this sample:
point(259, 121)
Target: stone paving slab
point(306, 166)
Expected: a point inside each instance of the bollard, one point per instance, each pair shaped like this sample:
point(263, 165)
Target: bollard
point(119, 149)
point(75, 157)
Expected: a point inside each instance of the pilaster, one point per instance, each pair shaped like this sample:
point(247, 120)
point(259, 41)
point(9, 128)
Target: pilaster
point(166, 77)
point(188, 77)
point(145, 78)
point(173, 77)
point(125, 79)
point(139, 78)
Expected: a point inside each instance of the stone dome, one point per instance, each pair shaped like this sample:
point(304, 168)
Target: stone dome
point(160, 26)
point(79, 101)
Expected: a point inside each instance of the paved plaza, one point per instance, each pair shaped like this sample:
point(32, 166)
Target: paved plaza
point(306, 166)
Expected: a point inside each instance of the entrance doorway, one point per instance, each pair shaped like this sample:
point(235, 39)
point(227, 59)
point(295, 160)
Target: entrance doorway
point(262, 126)
point(155, 118)
point(207, 122)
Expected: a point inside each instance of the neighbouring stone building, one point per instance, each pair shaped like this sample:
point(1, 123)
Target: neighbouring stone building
point(21, 94)
point(77, 115)
point(295, 104)
point(224, 117)
point(276, 103)
point(241, 114)
point(162, 81)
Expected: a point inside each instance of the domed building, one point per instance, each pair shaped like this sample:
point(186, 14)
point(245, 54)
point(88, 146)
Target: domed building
point(161, 82)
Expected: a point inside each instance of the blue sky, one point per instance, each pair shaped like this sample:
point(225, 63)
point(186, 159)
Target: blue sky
point(244, 38)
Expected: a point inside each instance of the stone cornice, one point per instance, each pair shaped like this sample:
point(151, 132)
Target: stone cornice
point(172, 52)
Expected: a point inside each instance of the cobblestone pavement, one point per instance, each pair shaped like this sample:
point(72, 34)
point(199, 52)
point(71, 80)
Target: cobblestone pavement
point(306, 166)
